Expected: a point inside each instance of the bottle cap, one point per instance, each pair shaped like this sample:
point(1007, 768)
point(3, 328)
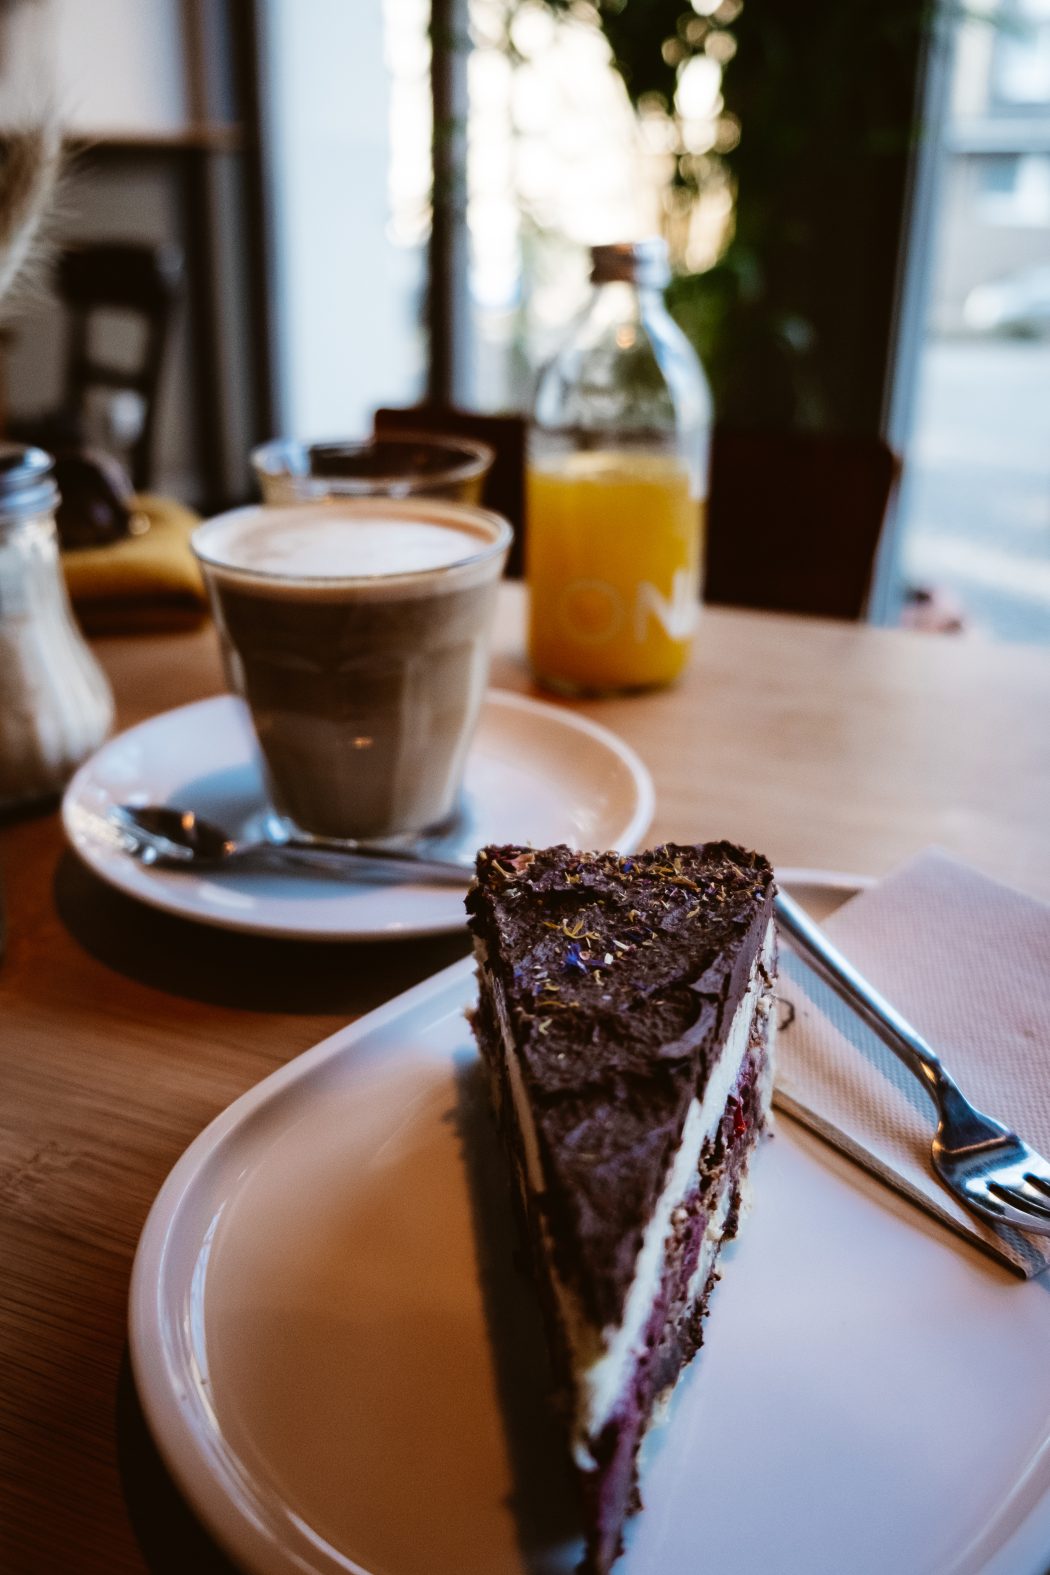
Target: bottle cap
point(637, 262)
point(27, 484)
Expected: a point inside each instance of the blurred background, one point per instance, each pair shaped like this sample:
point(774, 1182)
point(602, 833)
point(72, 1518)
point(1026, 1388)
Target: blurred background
point(278, 216)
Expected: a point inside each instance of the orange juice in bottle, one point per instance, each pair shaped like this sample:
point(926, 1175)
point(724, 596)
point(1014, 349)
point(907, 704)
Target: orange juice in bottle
point(613, 561)
point(615, 488)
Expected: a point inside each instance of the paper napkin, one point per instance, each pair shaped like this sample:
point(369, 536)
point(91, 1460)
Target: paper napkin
point(967, 961)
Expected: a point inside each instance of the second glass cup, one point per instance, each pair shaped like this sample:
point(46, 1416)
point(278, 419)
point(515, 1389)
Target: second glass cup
point(408, 466)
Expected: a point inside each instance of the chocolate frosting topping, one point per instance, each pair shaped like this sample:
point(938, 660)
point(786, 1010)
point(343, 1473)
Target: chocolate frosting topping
point(621, 975)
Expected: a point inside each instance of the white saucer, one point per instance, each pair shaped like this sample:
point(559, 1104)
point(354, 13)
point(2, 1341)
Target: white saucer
point(341, 1365)
point(536, 773)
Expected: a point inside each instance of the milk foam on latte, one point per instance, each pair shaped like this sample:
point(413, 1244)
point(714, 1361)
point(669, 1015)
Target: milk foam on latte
point(329, 542)
point(357, 632)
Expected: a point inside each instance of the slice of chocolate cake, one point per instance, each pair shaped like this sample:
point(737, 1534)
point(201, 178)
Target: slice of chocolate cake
point(626, 1019)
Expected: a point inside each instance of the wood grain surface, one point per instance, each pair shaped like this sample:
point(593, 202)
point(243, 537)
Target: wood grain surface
point(123, 1031)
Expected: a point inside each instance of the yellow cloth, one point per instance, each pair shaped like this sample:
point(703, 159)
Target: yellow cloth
point(146, 583)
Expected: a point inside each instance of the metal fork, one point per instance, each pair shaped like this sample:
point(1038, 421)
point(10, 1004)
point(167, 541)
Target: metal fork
point(986, 1166)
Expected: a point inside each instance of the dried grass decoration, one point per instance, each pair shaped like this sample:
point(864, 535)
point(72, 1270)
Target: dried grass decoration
point(30, 160)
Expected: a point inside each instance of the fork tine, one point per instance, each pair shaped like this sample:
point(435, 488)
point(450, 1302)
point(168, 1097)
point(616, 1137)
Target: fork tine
point(1035, 1180)
point(1036, 1201)
point(1020, 1201)
point(1024, 1219)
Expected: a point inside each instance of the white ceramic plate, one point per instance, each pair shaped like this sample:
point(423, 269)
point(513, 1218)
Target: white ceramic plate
point(341, 1363)
point(536, 773)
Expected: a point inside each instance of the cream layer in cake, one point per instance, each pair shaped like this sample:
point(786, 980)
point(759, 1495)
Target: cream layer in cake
point(604, 1360)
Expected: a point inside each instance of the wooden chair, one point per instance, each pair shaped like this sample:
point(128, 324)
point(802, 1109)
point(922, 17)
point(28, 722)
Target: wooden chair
point(143, 281)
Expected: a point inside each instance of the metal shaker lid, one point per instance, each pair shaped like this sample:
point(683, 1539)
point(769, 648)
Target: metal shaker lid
point(27, 482)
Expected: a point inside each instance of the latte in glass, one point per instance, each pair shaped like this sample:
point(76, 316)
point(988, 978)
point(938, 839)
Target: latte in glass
point(357, 633)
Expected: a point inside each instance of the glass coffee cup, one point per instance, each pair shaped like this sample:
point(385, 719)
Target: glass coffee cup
point(357, 632)
point(410, 465)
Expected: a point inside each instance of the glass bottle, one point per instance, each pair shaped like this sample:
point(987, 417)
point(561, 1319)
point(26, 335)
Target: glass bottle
point(616, 487)
point(55, 702)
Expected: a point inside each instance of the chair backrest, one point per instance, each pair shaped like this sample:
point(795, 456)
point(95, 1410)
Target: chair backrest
point(142, 280)
point(504, 488)
point(795, 519)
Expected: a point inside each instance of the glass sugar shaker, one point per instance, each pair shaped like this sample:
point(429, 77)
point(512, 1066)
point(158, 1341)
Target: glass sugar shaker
point(56, 705)
point(616, 486)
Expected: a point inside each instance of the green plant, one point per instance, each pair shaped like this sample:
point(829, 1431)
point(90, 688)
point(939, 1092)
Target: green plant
point(818, 121)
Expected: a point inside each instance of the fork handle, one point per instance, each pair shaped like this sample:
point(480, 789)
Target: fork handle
point(838, 972)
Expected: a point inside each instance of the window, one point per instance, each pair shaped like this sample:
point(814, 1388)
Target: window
point(1014, 189)
point(1021, 61)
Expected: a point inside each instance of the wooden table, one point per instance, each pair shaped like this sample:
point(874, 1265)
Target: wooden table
point(124, 1031)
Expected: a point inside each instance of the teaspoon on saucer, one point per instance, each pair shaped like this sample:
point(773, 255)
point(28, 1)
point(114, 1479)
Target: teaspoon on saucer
point(170, 838)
